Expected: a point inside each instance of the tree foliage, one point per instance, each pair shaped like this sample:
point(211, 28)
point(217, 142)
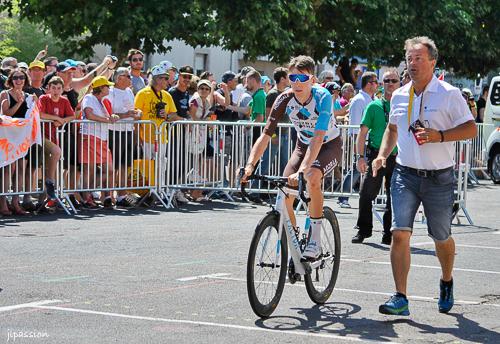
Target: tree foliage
point(466, 32)
point(23, 40)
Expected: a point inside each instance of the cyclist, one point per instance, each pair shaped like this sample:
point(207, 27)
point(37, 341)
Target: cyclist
point(318, 148)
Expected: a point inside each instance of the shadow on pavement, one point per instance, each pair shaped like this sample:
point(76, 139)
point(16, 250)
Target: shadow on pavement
point(325, 319)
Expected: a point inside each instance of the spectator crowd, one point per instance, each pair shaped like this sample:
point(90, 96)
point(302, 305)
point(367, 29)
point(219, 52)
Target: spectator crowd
point(108, 101)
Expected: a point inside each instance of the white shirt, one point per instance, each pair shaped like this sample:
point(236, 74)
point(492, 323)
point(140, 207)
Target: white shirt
point(357, 108)
point(202, 110)
point(443, 108)
point(122, 101)
point(97, 129)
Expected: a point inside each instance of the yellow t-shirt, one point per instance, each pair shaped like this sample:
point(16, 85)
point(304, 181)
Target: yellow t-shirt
point(146, 100)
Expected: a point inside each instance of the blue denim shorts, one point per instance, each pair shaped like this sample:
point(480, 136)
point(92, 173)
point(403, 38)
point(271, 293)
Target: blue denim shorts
point(435, 193)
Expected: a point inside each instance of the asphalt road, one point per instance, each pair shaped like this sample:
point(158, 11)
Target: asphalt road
point(178, 276)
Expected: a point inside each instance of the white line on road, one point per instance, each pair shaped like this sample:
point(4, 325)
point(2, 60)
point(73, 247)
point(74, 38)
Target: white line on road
point(204, 323)
point(459, 245)
point(193, 278)
point(28, 305)
point(422, 266)
point(414, 297)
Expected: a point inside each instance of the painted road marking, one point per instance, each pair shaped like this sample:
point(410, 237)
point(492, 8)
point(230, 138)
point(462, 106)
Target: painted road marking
point(28, 305)
point(205, 323)
point(422, 266)
point(459, 245)
point(193, 278)
point(414, 297)
point(65, 279)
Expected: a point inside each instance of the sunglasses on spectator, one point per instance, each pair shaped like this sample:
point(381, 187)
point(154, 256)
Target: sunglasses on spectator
point(126, 75)
point(329, 78)
point(19, 77)
point(204, 89)
point(299, 77)
point(137, 59)
point(391, 81)
point(186, 76)
point(374, 82)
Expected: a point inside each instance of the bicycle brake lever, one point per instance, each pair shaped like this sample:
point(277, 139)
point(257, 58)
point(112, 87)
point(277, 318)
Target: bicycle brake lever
point(244, 194)
point(301, 188)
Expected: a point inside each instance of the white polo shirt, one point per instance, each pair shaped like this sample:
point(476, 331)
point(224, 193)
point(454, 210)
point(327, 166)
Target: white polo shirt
point(357, 108)
point(443, 108)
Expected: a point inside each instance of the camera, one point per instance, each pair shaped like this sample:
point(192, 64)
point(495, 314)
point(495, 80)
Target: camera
point(158, 107)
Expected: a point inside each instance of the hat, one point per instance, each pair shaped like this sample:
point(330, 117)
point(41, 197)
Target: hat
point(81, 63)
point(38, 64)
point(265, 79)
point(186, 70)
point(159, 70)
point(71, 62)
point(245, 70)
point(100, 81)
point(204, 82)
point(332, 86)
point(228, 76)
point(22, 65)
point(63, 67)
point(167, 65)
point(465, 91)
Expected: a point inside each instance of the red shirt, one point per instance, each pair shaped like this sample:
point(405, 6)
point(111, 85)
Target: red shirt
point(61, 108)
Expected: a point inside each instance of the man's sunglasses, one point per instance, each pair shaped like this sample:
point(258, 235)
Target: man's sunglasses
point(137, 59)
point(126, 75)
point(204, 89)
point(299, 77)
point(391, 81)
point(186, 76)
point(19, 77)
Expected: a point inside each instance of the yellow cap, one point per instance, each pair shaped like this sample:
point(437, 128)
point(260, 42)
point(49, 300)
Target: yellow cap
point(37, 63)
point(100, 81)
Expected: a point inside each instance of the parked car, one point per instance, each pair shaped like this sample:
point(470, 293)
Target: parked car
point(492, 115)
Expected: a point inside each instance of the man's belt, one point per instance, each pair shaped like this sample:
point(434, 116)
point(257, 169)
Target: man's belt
point(424, 173)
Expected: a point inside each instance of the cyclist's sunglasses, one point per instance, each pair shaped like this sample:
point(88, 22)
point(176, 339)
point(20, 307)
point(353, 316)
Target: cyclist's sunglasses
point(299, 77)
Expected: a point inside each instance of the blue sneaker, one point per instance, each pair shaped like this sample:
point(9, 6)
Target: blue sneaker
point(445, 302)
point(396, 305)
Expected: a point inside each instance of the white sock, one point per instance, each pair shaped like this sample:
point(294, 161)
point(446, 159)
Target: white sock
point(316, 230)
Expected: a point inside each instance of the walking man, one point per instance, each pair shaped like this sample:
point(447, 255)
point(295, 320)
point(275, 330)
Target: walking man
point(374, 122)
point(427, 116)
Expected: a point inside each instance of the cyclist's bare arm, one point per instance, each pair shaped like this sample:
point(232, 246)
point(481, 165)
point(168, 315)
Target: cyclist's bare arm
point(258, 150)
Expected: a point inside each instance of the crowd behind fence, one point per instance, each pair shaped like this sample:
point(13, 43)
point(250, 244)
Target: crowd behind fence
point(186, 155)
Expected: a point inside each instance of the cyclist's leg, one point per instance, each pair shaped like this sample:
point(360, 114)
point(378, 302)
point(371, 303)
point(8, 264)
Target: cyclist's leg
point(291, 167)
point(328, 157)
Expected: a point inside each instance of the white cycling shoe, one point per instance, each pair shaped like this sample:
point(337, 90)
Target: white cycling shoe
point(312, 252)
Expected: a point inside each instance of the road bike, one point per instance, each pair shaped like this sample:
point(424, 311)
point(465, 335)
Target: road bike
point(275, 237)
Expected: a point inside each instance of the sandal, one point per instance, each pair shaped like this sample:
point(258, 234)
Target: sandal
point(5, 212)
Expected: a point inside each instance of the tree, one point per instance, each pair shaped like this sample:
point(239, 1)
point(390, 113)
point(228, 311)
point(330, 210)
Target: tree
point(23, 40)
point(466, 31)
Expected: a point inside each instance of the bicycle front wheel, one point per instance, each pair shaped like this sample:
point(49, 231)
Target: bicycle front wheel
point(266, 266)
point(321, 281)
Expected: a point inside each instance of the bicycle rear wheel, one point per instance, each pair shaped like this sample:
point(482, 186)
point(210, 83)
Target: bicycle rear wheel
point(266, 266)
point(321, 281)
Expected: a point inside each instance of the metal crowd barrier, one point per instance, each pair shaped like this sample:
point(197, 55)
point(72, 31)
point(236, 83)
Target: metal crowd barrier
point(99, 157)
point(185, 155)
point(26, 176)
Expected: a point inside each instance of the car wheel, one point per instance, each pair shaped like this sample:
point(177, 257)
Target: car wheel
point(495, 168)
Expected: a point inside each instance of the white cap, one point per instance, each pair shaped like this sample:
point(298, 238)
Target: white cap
point(22, 65)
point(159, 70)
point(166, 64)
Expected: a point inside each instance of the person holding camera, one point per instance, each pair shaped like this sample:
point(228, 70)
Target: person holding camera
point(471, 102)
point(156, 105)
point(427, 115)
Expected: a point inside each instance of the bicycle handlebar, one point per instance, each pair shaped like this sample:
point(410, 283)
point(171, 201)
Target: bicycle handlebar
point(277, 181)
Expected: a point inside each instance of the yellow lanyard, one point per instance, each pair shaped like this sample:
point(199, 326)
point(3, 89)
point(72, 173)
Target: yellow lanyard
point(410, 106)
